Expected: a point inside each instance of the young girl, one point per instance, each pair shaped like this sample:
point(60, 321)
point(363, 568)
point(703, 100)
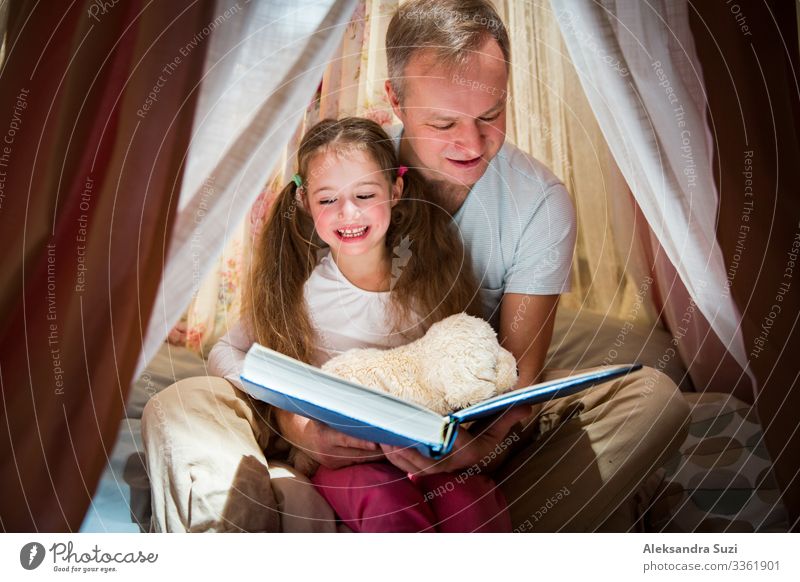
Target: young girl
point(354, 256)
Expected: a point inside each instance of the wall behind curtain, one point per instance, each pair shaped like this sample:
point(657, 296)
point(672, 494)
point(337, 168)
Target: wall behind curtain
point(609, 265)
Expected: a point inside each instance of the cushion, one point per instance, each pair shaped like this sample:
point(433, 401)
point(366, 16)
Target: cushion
point(721, 479)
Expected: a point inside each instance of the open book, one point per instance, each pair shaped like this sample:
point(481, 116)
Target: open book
point(376, 416)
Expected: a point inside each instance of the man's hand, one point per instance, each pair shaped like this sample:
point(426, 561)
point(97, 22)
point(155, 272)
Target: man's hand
point(468, 449)
point(325, 445)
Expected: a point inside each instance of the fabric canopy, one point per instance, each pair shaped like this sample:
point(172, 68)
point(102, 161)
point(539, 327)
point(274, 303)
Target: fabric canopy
point(93, 136)
point(640, 72)
point(140, 138)
point(259, 76)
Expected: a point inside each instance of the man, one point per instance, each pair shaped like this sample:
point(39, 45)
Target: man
point(573, 464)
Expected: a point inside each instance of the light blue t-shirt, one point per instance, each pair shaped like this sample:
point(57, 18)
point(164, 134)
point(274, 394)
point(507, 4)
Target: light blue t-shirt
point(518, 225)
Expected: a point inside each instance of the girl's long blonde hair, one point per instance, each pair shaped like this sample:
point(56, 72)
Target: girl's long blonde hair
point(437, 281)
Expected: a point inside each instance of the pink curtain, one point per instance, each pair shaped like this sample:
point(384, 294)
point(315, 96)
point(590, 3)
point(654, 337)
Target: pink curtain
point(709, 362)
point(94, 128)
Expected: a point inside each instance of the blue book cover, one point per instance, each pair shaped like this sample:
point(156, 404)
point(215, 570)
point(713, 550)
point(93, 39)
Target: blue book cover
point(376, 416)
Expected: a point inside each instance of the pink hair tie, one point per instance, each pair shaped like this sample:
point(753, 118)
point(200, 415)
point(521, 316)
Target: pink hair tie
point(401, 171)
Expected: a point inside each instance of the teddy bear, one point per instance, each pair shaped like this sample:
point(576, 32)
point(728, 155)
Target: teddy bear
point(457, 363)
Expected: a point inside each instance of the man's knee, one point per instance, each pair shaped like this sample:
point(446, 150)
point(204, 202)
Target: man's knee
point(176, 403)
point(664, 403)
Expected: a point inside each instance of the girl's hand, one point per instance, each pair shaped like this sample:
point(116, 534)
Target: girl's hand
point(325, 445)
point(489, 447)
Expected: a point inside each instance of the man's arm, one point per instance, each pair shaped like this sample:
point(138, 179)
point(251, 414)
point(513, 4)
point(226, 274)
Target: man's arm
point(534, 282)
point(526, 328)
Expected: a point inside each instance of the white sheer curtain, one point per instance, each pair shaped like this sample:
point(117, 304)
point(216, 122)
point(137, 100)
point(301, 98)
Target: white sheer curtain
point(638, 67)
point(264, 62)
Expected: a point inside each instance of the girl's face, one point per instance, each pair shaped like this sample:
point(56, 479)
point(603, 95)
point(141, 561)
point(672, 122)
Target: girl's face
point(350, 200)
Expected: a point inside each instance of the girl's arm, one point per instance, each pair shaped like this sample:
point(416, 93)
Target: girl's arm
point(227, 356)
point(327, 446)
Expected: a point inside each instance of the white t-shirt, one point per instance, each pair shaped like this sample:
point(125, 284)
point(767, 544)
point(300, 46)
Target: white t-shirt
point(346, 317)
point(518, 226)
point(343, 316)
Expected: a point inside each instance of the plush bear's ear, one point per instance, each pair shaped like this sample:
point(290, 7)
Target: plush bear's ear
point(461, 395)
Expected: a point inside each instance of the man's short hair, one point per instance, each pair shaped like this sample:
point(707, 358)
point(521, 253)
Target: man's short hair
point(453, 29)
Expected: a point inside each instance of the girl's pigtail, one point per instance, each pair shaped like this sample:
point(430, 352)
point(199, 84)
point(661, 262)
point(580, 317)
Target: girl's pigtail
point(282, 262)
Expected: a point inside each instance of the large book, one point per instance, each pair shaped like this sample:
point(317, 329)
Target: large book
point(376, 416)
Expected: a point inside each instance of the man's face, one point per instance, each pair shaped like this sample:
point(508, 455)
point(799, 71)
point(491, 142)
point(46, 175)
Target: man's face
point(454, 120)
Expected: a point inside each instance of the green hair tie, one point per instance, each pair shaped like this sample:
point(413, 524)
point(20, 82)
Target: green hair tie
point(298, 181)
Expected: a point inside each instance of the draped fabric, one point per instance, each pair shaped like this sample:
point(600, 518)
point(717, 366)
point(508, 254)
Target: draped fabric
point(639, 70)
point(3, 20)
point(263, 64)
point(146, 144)
point(552, 119)
point(350, 83)
point(90, 159)
point(754, 112)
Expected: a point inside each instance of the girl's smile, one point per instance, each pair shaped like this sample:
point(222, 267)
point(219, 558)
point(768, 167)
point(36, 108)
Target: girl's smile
point(350, 234)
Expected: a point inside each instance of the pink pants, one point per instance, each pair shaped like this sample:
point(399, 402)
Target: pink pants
point(379, 497)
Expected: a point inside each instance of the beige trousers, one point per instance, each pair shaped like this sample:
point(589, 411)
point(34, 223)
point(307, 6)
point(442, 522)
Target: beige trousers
point(576, 465)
